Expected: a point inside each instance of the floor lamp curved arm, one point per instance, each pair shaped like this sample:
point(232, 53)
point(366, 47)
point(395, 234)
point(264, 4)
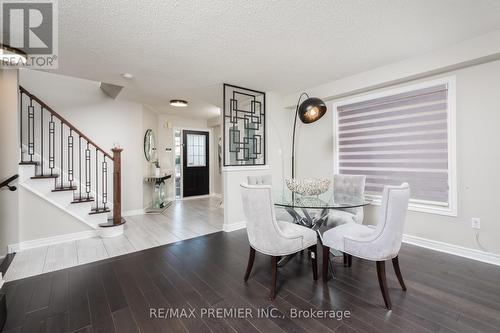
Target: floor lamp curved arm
point(294, 128)
point(308, 111)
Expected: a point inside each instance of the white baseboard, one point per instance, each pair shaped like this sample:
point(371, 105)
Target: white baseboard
point(234, 226)
point(217, 195)
point(51, 240)
point(195, 197)
point(460, 251)
point(133, 212)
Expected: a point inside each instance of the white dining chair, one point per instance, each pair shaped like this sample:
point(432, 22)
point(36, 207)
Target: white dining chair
point(265, 179)
point(345, 188)
point(269, 236)
point(379, 243)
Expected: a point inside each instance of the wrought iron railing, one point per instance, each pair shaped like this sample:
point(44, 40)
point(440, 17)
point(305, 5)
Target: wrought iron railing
point(61, 151)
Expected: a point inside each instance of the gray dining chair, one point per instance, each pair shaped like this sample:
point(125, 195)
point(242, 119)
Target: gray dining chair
point(379, 243)
point(270, 236)
point(345, 188)
point(260, 180)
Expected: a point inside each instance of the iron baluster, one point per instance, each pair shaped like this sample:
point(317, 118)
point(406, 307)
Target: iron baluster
point(41, 141)
point(104, 182)
point(70, 158)
point(80, 165)
point(31, 130)
point(21, 126)
point(52, 144)
point(87, 171)
point(97, 180)
point(62, 155)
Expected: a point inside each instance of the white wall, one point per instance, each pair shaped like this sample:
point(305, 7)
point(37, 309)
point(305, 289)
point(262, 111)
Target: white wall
point(279, 131)
point(9, 157)
point(216, 174)
point(166, 137)
point(38, 218)
point(478, 159)
point(149, 121)
point(104, 120)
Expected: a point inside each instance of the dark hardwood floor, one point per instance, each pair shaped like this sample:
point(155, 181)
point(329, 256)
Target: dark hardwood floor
point(445, 293)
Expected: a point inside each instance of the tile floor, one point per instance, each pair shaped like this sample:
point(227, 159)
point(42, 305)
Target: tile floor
point(184, 219)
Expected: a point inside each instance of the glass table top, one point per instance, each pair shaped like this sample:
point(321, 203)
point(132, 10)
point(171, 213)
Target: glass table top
point(286, 198)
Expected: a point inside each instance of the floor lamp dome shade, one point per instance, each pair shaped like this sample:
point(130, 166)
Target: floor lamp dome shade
point(311, 110)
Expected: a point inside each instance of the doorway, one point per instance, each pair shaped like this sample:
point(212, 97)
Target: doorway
point(195, 163)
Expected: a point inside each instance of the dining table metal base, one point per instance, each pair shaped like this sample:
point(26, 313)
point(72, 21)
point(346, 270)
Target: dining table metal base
point(310, 221)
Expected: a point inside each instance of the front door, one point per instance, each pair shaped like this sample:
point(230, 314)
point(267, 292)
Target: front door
point(195, 172)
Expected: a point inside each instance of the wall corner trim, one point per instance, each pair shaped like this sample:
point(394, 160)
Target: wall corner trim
point(234, 226)
point(486, 257)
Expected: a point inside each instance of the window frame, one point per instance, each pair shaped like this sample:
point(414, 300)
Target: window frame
point(414, 205)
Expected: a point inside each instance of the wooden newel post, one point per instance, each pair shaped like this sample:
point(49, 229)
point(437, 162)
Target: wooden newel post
point(117, 186)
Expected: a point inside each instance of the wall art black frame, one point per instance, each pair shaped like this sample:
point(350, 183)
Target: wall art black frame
point(244, 126)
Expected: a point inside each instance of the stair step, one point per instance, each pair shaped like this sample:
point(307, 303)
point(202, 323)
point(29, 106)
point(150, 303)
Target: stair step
point(82, 200)
point(99, 210)
point(29, 163)
point(45, 176)
point(64, 188)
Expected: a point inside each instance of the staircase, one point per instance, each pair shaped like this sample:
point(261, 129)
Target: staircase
point(63, 166)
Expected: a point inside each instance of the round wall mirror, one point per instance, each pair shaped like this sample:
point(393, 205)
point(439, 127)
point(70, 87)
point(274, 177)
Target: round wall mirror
point(150, 146)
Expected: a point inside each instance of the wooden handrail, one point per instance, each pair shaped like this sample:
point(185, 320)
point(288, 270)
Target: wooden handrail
point(6, 183)
point(64, 121)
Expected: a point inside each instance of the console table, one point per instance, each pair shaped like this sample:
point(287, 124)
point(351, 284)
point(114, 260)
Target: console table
point(160, 202)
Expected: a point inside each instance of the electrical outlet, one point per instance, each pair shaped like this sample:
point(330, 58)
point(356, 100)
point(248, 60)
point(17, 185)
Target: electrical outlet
point(476, 223)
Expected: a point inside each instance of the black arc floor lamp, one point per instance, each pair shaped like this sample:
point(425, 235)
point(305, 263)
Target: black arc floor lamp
point(308, 111)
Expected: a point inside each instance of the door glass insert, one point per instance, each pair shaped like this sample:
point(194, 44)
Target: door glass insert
point(196, 148)
point(178, 165)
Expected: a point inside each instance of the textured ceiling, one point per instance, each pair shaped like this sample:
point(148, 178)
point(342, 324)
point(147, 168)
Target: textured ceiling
point(187, 49)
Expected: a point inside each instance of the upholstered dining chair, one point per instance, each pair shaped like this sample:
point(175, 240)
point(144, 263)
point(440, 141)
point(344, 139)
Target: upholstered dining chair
point(346, 187)
point(260, 180)
point(270, 236)
point(379, 243)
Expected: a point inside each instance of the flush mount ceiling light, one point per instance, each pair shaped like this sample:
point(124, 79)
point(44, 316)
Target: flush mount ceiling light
point(127, 76)
point(178, 103)
point(11, 56)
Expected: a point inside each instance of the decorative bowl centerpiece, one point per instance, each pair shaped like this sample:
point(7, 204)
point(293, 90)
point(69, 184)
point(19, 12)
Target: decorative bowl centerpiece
point(312, 186)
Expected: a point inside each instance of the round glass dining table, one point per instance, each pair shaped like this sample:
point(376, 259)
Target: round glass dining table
point(312, 211)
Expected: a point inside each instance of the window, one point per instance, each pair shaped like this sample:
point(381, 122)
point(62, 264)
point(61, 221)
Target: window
point(196, 150)
point(402, 135)
point(178, 163)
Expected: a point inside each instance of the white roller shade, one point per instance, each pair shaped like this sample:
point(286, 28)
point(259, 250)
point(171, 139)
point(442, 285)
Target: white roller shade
point(398, 138)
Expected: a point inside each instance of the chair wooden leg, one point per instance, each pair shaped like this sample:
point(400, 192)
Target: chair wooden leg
point(349, 260)
point(314, 260)
point(251, 259)
point(346, 259)
point(395, 263)
point(274, 267)
point(383, 283)
point(325, 270)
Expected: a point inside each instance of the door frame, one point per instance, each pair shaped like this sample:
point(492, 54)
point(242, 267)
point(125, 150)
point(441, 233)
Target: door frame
point(210, 159)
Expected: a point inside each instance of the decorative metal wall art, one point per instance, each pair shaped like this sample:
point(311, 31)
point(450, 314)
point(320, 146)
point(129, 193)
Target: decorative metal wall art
point(244, 126)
